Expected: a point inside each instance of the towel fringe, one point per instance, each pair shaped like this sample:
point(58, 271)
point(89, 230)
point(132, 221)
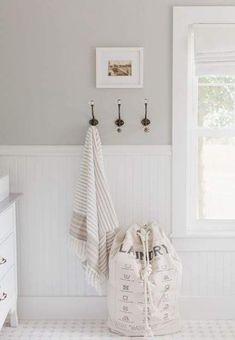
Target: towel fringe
point(95, 279)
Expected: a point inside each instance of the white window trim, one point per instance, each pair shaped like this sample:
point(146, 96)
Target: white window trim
point(183, 170)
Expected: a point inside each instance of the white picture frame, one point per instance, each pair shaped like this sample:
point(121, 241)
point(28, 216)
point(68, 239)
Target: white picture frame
point(119, 67)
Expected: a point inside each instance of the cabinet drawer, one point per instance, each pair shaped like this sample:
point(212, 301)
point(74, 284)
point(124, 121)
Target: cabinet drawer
point(6, 222)
point(6, 291)
point(6, 255)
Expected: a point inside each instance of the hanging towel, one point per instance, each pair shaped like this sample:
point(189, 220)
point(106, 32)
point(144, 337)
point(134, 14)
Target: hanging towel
point(94, 221)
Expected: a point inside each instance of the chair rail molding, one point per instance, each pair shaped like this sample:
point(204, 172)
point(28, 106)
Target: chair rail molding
point(76, 150)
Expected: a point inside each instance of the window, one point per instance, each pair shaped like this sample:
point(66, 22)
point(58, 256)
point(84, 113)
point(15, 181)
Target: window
point(203, 120)
point(216, 101)
point(216, 148)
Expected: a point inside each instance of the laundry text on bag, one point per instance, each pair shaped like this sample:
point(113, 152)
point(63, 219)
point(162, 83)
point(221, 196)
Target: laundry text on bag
point(157, 250)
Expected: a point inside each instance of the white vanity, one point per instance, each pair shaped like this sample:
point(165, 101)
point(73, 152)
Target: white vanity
point(8, 267)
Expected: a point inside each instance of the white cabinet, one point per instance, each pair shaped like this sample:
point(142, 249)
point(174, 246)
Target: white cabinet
point(8, 269)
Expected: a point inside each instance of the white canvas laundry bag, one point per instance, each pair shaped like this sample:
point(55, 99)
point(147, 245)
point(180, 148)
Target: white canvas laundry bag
point(144, 283)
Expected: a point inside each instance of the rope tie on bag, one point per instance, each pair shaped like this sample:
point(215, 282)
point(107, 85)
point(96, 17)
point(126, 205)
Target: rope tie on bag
point(143, 233)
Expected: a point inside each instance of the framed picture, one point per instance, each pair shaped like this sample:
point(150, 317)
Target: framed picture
point(119, 67)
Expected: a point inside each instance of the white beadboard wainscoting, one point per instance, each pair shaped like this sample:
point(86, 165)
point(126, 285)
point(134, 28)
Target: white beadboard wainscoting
point(51, 280)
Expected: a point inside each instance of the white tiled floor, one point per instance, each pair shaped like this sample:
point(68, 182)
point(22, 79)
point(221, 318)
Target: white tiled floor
point(95, 329)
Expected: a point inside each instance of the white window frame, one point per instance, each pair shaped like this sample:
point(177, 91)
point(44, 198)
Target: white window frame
point(184, 138)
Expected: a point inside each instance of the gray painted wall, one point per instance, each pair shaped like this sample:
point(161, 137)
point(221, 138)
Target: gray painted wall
point(47, 68)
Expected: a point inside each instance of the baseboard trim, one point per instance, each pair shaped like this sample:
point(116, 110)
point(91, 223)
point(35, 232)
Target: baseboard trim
point(76, 150)
point(62, 308)
point(207, 308)
point(195, 308)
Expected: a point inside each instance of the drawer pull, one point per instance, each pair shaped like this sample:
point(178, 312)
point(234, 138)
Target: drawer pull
point(3, 297)
point(2, 260)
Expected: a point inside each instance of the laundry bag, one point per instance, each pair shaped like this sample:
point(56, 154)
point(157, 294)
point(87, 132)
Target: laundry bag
point(144, 283)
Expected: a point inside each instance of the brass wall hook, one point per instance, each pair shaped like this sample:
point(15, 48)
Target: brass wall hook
point(119, 122)
point(93, 121)
point(145, 121)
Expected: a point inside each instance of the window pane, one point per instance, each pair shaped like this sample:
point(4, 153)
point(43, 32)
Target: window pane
point(216, 101)
point(216, 178)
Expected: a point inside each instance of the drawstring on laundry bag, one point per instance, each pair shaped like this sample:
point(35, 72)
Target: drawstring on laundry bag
point(143, 233)
point(144, 283)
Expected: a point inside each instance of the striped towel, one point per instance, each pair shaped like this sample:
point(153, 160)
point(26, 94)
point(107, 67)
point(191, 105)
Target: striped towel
point(94, 221)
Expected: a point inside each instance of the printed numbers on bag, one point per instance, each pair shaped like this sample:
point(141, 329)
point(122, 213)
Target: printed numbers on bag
point(125, 318)
point(165, 317)
point(166, 278)
point(166, 307)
